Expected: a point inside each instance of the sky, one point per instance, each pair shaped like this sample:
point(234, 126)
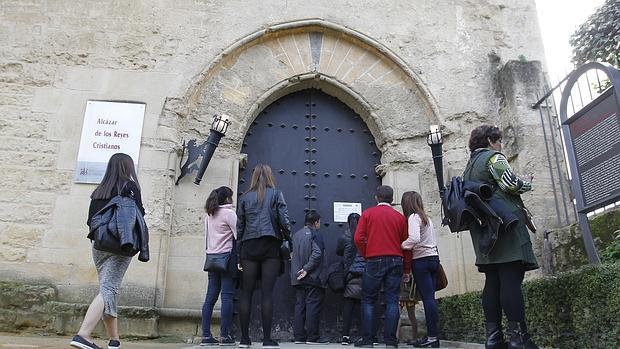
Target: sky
point(558, 19)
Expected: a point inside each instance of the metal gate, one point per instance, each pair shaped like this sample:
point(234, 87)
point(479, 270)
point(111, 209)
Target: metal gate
point(321, 152)
point(579, 92)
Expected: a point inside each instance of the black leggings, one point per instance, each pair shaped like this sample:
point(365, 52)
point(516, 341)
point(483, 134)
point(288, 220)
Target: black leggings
point(268, 271)
point(502, 290)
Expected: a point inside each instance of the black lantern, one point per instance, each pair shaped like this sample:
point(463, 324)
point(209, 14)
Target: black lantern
point(435, 141)
point(218, 130)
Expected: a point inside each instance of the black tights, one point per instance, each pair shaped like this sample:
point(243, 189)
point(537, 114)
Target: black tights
point(348, 308)
point(347, 314)
point(502, 290)
point(268, 271)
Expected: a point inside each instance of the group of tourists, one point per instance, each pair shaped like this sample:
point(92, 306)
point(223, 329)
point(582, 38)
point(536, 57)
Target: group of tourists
point(382, 248)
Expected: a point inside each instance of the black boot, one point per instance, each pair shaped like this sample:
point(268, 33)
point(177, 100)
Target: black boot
point(519, 338)
point(495, 336)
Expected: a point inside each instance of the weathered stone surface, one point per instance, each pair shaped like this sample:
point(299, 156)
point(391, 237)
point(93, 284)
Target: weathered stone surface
point(566, 247)
point(17, 239)
point(22, 296)
point(400, 67)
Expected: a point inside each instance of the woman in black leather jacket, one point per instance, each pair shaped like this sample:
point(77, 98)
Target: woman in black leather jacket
point(262, 226)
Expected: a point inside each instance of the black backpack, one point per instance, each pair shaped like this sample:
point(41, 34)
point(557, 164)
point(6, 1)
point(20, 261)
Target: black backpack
point(453, 206)
point(459, 206)
point(335, 277)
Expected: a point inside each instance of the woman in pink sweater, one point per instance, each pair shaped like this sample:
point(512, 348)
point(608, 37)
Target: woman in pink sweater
point(220, 227)
point(423, 243)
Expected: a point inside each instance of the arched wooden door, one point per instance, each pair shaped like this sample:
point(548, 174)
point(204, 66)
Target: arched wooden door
point(321, 152)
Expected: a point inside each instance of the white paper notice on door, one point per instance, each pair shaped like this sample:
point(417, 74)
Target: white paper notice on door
point(342, 210)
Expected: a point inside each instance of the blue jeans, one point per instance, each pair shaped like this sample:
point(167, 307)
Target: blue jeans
point(218, 282)
point(386, 271)
point(425, 277)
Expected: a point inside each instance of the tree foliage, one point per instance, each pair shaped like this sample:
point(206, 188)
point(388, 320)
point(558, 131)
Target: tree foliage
point(598, 39)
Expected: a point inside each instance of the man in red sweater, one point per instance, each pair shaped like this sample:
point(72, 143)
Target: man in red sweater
point(378, 236)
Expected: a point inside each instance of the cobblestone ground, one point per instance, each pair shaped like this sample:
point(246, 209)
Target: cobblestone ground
point(14, 341)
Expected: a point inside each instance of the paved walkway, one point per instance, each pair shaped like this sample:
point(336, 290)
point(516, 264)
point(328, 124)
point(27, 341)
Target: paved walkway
point(13, 341)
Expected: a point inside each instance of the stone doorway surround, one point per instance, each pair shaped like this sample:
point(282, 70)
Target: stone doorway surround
point(275, 61)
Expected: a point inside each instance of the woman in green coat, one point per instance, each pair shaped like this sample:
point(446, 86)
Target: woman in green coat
point(512, 255)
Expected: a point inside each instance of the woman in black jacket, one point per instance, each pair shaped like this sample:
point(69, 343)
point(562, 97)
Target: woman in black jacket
point(262, 226)
point(120, 177)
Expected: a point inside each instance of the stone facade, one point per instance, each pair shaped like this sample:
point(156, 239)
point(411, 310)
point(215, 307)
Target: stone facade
point(400, 65)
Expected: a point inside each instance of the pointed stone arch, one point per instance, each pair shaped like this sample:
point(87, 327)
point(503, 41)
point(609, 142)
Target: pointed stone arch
point(391, 98)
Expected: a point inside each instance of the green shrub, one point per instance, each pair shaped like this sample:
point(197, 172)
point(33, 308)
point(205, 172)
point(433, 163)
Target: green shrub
point(606, 232)
point(579, 309)
point(611, 254)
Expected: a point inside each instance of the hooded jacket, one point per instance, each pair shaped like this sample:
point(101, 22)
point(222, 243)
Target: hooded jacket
point(120, 228)
point(354, 263)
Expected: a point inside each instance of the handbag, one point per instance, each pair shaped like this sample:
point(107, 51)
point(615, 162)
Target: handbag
point(285, 250)
point(286, 245)
point(529, 219)
point(217, 262)
point(353, 288)
point(441, 280)
point(409, 293)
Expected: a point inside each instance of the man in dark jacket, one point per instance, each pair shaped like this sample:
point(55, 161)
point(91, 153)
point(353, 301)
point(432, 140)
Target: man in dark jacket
point(307, 276)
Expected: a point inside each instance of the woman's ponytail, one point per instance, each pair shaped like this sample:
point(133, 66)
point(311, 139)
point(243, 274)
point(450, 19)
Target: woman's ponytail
point(218, 197)
point(212, 203)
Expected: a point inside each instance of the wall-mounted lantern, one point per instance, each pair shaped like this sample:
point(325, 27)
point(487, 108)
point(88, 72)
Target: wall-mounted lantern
point(219, 126)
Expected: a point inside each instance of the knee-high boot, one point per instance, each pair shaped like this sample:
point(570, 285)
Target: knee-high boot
point(495, 336)
point(519, 338)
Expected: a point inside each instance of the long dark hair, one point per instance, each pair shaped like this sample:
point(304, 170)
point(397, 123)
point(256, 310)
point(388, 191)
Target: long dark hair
point(120, 170)
point(411, 203)
point(219, 196)
point(262, 178)
point(480, 136)
point(352, 220)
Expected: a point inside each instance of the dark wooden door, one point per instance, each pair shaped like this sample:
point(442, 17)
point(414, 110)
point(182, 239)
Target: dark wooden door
point(321, 152)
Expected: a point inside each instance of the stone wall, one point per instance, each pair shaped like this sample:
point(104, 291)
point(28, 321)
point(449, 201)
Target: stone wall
point(35, 308)
point(402, 66)
point(566, 248)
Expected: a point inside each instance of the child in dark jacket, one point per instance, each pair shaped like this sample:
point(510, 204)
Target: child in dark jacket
point(354, 265)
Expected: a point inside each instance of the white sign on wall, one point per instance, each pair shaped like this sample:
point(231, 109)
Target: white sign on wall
point(342, 210)
point(109, 128)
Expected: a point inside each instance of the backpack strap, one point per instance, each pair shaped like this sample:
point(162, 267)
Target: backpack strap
point(476, 156)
